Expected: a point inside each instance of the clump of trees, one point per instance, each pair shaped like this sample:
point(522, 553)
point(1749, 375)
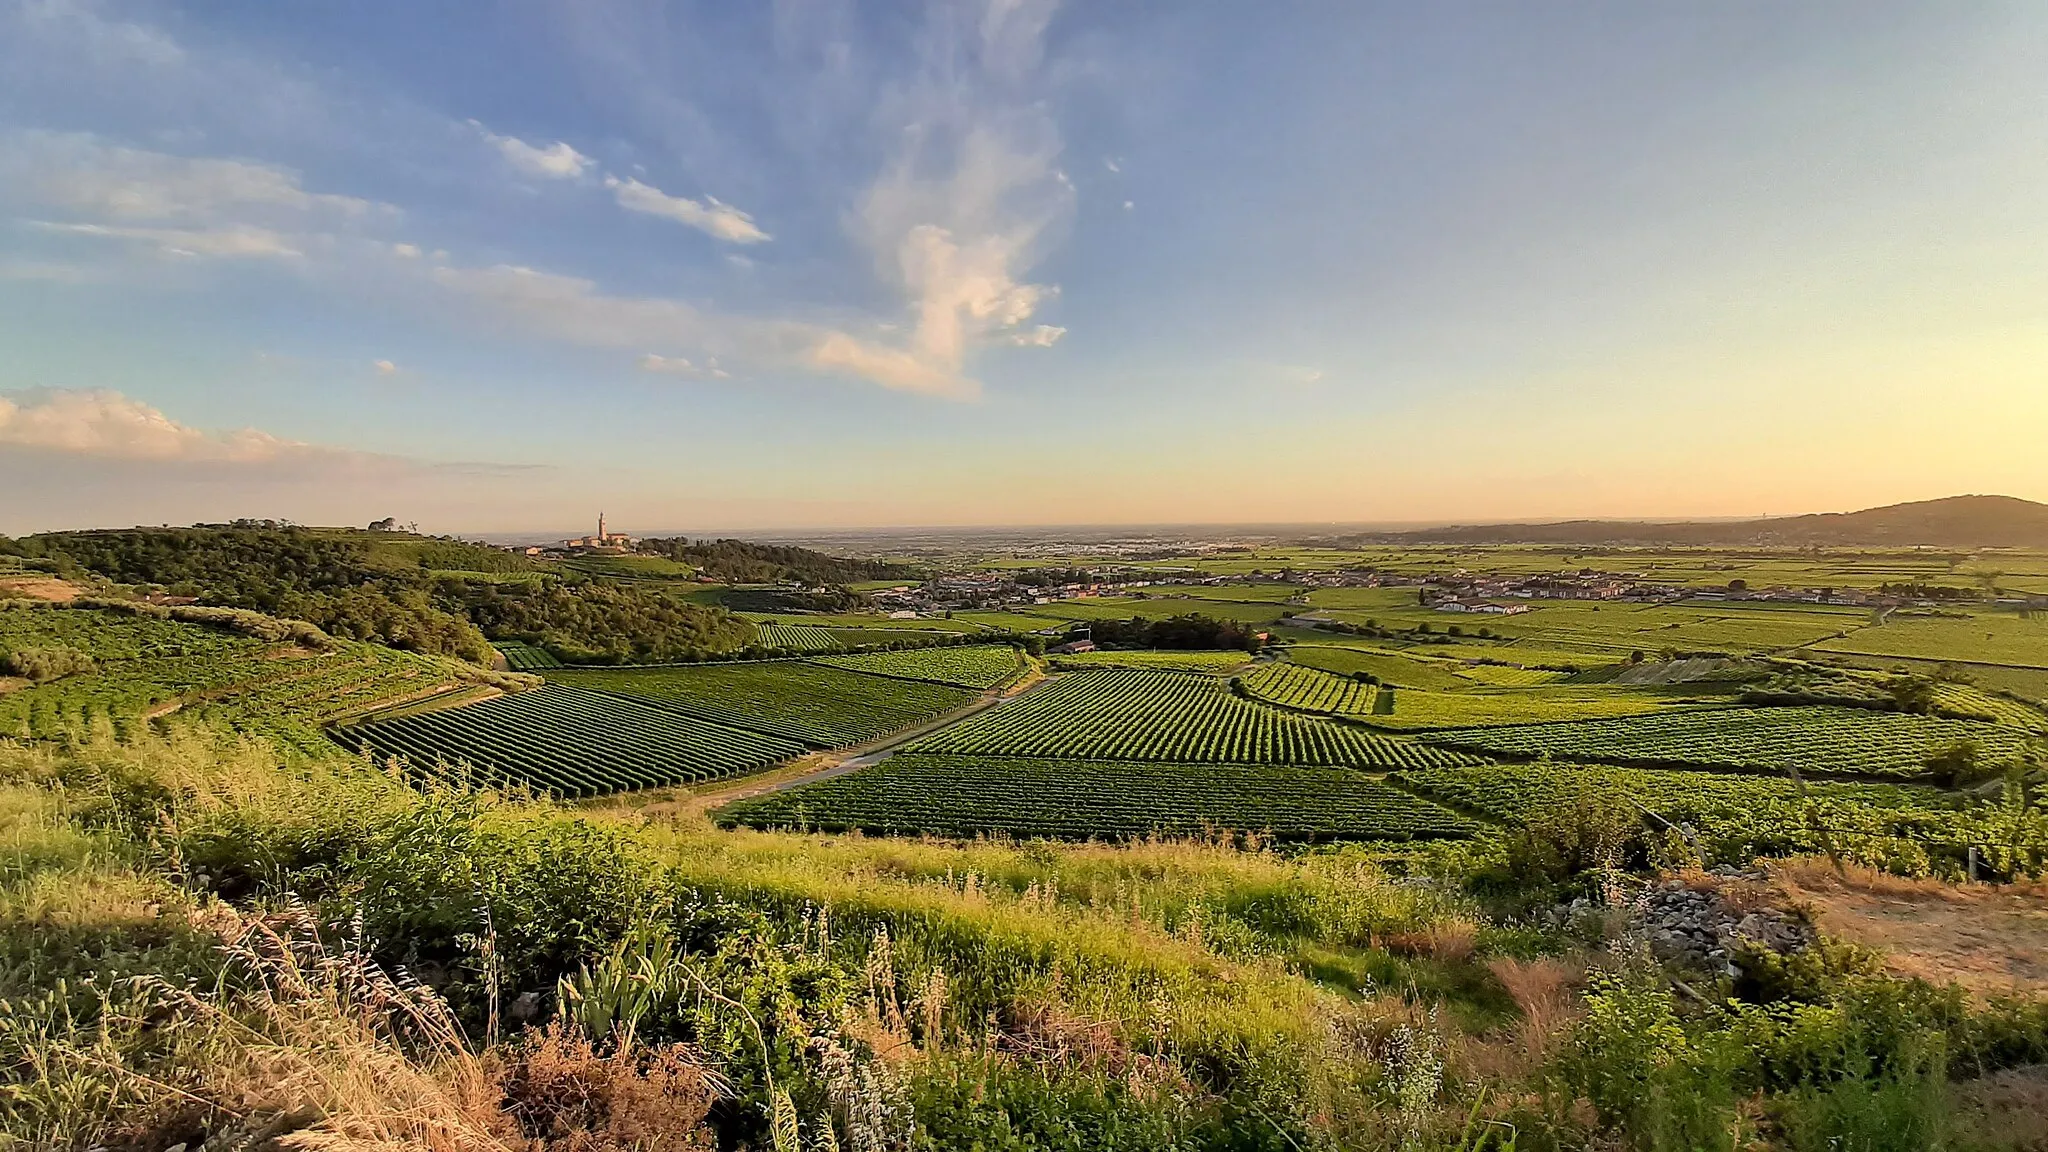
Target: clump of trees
point(741, 562)
point(1190, 631)
point(42, 665)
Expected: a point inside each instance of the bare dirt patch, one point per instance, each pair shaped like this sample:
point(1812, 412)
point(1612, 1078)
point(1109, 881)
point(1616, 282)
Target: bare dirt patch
point(41, 588)
point(11, 683)
point(1989, 938)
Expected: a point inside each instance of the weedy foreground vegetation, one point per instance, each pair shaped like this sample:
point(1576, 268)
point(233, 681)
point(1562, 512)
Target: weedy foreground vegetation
point(199, 947)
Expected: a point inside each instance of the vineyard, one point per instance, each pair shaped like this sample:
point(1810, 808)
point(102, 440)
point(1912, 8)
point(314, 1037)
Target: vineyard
point(523, 657)
point(1737, 818)
point(822, 705)
point(1081, 799)
point(145, 666)
point(1390, 667)
point(1408, 711)
point(797, 638)
point(570, 742)
point(1509, 792)
point(980, 666)
point(1308, 689)
point(1130, 714)
point(1213, 663)
point(1816, 740)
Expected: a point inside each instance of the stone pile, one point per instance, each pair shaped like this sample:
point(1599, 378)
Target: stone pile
point(1700, 929)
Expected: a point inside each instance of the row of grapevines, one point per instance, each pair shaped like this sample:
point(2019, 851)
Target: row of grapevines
point(571, 742)
point(1308, 689)
point(820, 705)
point(977, 666)
point(1820, 740)
point(1132, 714)
point(797, 637)
point(1903, 828)
point(1082, 799)
point(523, 657)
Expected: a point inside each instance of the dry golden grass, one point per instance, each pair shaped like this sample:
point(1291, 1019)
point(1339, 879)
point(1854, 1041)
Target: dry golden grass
point(1988, 938)
point(41, 588)
point(1546, 992)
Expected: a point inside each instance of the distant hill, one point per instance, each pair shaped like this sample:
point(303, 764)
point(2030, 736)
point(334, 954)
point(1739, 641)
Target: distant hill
point(1952, 522)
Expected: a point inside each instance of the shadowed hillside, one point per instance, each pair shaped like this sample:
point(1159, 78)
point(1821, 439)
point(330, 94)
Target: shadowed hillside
point(1952, 522)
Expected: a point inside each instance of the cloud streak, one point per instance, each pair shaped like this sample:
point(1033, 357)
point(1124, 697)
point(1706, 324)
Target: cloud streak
point(709, 216)
point(557, 161)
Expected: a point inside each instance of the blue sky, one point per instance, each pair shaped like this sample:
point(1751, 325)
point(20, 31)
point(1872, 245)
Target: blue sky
point(491, 268)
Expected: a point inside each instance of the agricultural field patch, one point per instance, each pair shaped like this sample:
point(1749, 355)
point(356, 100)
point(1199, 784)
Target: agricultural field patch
point(145, 666)
point(1390, 667)
point(1736, 818)
point(1814, 740)
point(1414, 711)
point(1510, 676)
point(1990, 638)
point(1239, 593)
point(1166, 660)
point(2027, 683)
point(1004, 621)
point(1133, 714)
point(1083, 799)
point(797, 637)
point(569, 742)
point(1156, 609)
point(1968, 699)
point(980, 666)
point(1510, 792)
point(523, 657)
point(1308, 689)
point(823, 705)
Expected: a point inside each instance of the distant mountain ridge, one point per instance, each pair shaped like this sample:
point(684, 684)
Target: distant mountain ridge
point(1950, 522)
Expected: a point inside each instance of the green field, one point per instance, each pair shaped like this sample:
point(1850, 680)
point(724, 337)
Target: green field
point(980, 666)
point(1419, 711)
point(1990, 638)
point(797, 637)
point(1816, 740)
point(1390, 667)
point(147, 666)
point(1735, 819)
point(1308, 689)
point(823, 705)
point(570, 742)
point(1213, 663)
point(523, 657)
point(1132, 714)
point(1085, 799)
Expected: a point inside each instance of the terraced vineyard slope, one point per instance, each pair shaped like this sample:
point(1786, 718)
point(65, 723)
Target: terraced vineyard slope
point(1132, 714)
point(1082, 799)
point(571, 742)
point(146, 665)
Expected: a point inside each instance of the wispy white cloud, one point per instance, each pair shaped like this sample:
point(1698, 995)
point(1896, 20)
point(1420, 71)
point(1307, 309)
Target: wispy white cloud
point(234, 241)
point(972, 183)
point(1042, 336)
point(384, 367)
point(88, 176)
point(557, 161)
point(709, 215)
point(894, 368)
point(682, 366)
point(108, 424)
